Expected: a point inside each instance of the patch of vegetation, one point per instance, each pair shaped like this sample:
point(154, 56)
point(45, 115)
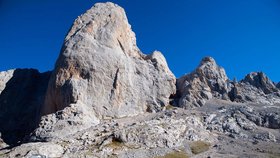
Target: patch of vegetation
point(3, 155)
point(175, 154)
point(169, 107)
point(198, 147)
point(274, 155)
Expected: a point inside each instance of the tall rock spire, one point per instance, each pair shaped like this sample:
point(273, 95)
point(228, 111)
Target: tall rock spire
point(102, 74)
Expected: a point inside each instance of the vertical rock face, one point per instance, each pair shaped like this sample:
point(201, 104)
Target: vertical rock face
point(22, 96)
point(207, 81)
point(101, 70)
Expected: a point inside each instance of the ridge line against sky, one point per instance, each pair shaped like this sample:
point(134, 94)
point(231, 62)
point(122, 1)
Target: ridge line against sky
point(242, 36)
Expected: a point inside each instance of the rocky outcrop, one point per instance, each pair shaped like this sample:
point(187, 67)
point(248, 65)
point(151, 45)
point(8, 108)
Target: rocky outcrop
point(255, 87)
point(20, 103)
point(244, 92)
point(102, 72)
point(261, 81)
point(207, 81)
point(210, 81)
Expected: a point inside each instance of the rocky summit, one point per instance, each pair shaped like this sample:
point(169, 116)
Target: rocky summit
point(105, 98)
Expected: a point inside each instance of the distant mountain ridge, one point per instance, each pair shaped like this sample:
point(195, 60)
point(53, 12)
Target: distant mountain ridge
point(210, 81)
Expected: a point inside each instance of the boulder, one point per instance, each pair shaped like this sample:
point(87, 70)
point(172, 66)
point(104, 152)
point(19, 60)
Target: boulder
point(207, 81)
point(101, 69)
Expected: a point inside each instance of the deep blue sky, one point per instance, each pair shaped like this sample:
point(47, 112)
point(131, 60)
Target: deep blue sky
point(242, 35)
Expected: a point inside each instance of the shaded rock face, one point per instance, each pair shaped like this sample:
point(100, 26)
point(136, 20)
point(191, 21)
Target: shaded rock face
point(102, 72)
point(20, 102)
point(207, 81)
point(278, 85)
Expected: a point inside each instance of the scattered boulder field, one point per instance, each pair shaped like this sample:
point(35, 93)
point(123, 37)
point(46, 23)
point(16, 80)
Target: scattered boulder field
point(106, 98)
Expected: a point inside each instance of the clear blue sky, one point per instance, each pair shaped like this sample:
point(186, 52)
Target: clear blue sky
point(242, 35)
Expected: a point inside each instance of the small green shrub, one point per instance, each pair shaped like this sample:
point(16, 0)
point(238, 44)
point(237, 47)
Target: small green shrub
point(169, 107)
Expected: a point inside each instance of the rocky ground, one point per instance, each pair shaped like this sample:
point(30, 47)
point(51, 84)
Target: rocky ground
point(218, 129)
point(105, 98)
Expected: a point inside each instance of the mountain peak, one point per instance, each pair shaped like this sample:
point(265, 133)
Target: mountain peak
point(209, 69)
point(105, 24)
